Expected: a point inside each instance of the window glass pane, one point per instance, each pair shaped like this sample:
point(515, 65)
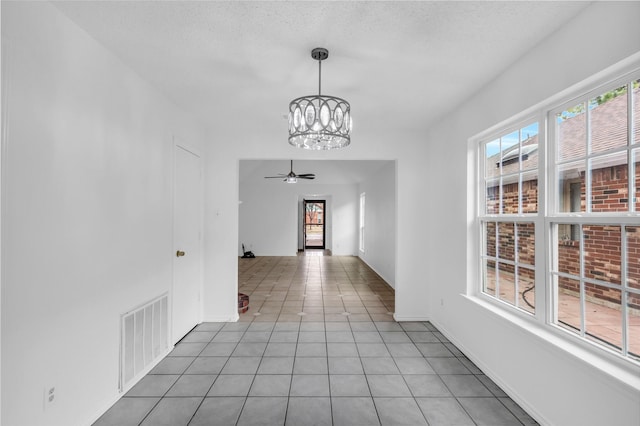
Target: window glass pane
point(493, 196)
point(530, 192)
point(507, 283)
point(489, 283)
point(568, 251)
point(601, 250)
point(603, 316)
point(510, 194)
point(571, 133)
point(526, 289)
point(564, 233)
point(526, 243)
point(492, 158)
point(529, 153)
point(609, 120)
point(509, 190)
point(633, 257)
point(633, 323)
point(510, 155)
point(509, 143)
point(568, 297)
point(506, 241)
point(528, 133)
point(609, 183)
point(571, 187)
point(490, 239)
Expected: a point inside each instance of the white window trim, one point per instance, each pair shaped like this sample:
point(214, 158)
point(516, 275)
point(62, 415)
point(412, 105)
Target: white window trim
point(537, 219)
point(540, 325)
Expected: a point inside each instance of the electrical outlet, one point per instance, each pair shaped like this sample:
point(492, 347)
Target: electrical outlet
point(50, 397)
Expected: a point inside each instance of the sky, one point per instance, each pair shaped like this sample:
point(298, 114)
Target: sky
point(511, 139)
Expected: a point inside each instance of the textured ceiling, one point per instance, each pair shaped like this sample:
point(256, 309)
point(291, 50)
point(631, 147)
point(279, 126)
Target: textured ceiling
point(401, 65)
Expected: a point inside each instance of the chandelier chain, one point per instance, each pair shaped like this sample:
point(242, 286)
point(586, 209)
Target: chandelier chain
point(319, 77)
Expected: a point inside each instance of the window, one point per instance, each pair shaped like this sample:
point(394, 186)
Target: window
point(361, 243)
point(593, 274)
point(584, 227)
point(510, 206)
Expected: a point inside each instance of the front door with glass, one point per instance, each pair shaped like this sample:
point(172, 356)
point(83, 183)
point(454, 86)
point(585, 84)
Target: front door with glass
point(314, 224)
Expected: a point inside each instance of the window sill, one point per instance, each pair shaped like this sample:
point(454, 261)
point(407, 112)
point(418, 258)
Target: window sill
point(623, 370)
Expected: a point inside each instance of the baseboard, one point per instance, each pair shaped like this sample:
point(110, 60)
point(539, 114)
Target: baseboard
point(400, 318)
point(522, 402)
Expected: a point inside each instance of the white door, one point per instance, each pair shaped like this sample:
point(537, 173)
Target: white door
point(187, 251)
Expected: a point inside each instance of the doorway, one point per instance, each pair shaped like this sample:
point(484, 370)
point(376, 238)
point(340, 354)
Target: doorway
point(314, 224)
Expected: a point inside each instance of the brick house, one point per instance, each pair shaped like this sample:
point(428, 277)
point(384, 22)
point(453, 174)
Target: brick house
point(609, 193)
point(314, 217)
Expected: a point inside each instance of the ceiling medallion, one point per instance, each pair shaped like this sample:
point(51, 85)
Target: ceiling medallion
point(319, 122)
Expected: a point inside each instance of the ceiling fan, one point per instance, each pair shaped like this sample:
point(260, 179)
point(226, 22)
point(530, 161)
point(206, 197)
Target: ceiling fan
point(291, 177)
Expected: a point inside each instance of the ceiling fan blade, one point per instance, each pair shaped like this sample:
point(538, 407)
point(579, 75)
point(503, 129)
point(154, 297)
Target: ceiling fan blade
point(291, 176)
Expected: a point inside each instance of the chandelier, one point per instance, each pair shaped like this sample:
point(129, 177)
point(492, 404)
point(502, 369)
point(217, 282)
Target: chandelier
point(319, 122)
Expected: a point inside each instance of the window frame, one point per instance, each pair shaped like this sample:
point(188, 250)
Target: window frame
point(536, 218)
point(548, 214)
point(555, 217)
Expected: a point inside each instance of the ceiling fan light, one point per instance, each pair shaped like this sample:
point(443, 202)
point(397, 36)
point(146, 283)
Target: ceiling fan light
point(291, 179)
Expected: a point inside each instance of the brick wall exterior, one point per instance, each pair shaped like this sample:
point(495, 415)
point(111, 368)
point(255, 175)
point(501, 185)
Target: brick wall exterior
point(602, 243)
point(609, 191)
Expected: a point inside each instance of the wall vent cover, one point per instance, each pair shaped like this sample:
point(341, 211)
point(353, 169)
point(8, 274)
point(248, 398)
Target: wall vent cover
point(144, 338)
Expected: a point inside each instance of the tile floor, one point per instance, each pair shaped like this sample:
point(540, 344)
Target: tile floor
point(318, 346)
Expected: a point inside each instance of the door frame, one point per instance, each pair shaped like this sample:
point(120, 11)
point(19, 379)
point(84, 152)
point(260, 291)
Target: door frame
point(324, 223)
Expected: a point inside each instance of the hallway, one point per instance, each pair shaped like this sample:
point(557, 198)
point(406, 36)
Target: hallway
point(318, 346)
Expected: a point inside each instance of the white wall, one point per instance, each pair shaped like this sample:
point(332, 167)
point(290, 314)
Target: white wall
point(269, 222)
point(380, 222)
point(87, 222)
point(556, 386)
